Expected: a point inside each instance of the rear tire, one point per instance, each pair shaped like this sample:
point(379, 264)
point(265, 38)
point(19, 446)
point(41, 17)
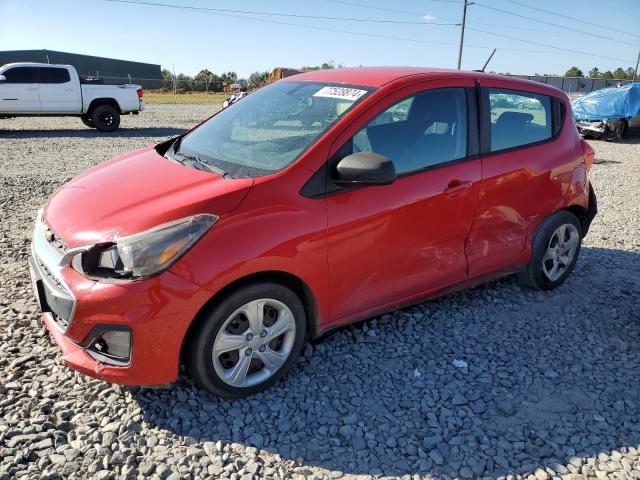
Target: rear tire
point(87, 121)
point(225, 351)
point(615, 129)
point(106, 118)
point(554, 251)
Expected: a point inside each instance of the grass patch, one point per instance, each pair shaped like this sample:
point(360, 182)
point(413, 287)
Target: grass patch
point(198, 97)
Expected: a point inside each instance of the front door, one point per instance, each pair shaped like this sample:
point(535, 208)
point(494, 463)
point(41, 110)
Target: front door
point(19, 91)
point(387, 244)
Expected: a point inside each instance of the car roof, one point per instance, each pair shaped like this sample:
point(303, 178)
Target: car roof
point(33, 64)
point(379, 76)
point(374, 76)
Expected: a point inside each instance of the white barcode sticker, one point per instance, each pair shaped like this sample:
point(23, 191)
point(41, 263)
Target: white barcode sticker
point(343, 93)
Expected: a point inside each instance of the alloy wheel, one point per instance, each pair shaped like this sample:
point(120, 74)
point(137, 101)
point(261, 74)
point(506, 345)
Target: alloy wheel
point(561, 250)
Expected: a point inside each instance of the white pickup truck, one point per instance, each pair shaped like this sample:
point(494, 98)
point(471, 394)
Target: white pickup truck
point(36, 89)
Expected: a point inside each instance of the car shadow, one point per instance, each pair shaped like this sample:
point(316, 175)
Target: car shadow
point(92, 133)
point(631, 136)
point(551, 379)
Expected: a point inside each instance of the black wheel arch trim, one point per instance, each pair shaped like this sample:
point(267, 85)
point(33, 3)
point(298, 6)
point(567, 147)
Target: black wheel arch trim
point(293, 282)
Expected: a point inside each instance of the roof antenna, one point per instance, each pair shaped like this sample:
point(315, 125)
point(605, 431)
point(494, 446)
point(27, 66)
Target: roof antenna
point(488, 60)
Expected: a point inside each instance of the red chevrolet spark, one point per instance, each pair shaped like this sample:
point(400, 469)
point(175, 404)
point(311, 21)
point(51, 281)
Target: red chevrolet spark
point(318, 200)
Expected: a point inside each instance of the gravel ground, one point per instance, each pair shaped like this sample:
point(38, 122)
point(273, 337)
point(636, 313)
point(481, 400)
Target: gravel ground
point(495, 382)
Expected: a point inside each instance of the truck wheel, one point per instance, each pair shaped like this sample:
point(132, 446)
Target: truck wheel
point(86, 119)
point(554, 251)
point(105, 118)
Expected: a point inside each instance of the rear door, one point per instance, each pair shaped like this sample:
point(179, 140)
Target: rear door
point(521, 179)
point(389, 243)
point(59, 93)
point(19, 92)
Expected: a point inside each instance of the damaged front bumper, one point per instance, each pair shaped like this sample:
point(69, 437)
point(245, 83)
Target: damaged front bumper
point(610, 130)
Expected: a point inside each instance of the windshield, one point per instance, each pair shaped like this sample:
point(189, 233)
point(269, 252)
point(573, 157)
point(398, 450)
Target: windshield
point(270, 128)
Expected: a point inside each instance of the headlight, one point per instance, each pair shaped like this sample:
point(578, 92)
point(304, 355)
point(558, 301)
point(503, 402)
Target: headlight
point(146, 253)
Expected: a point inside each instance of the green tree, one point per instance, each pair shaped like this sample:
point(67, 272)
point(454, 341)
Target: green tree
point(167, 79)
point(228, 78)
point(184, 82)
point(608, 75)
point(257, 79)
point(619, 73)
point(629, 73)
point(574, 72)
point(594, 73)
point(206, 80)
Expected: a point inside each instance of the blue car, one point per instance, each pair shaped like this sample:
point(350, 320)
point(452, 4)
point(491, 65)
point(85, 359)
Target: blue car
point(607, 114)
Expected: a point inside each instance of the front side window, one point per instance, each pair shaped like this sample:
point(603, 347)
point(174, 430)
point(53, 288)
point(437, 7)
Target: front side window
point(21, 75)
point(424, 130)
point(270, 128)
point(518, 118)
point(54, 75)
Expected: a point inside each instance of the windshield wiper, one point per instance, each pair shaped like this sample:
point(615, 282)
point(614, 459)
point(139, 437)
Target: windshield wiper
point(206, 165)
point(180, 157)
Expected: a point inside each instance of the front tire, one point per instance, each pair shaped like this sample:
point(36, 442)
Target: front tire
point(554, 251)
point(106, 118)
point(247, 341)
point(615, 129)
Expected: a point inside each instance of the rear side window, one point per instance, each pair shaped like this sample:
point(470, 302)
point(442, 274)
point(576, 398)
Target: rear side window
point(21, 75)
point(421, 131)
point(518, 118)
point(54, 75)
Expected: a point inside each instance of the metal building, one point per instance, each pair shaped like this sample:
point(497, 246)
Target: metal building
point(109, 69)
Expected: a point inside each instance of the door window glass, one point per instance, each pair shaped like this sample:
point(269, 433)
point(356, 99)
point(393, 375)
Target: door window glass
point(418, 132)
point(518, 118)
point(54, 75)
point(397, 113)
point(21, 75)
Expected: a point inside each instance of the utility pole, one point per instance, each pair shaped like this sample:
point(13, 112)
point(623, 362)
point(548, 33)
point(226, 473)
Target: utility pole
point(464, 18)
point(175, 100)
point(635, 73)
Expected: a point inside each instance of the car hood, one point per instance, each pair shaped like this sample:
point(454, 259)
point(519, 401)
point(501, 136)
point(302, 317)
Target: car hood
point(134, 192)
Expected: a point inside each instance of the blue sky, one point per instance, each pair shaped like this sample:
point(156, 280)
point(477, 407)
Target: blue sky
point(248, 42)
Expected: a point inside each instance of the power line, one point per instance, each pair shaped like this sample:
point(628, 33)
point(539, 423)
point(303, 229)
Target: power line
point(553, 24)
point(548, 45)
point(571, 18)
point(278, 22)
point(382, 9)
point(273, 14)
point(362, 34)
point(448, 19)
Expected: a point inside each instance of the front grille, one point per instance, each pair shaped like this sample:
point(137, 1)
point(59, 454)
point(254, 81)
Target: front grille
point(54, 280)
point(61, 322)
point(55, 240)
point(48, 253)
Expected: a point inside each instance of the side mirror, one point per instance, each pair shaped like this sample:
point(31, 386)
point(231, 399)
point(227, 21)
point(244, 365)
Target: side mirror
point(364, 168)
point(2, 78)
